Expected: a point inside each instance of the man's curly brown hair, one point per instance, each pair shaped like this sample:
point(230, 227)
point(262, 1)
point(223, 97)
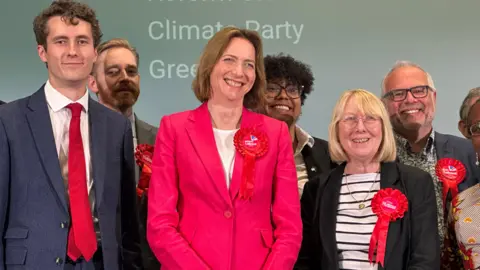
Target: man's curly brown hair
point(285, 67)
point(70, 11)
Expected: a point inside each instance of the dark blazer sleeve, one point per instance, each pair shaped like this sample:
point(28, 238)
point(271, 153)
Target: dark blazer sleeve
point(4, 187)
point(128, 206)
point(424, 242)
point(307, 258)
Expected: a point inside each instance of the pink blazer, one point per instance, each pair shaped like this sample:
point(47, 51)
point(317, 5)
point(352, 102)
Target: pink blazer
point(195, 222)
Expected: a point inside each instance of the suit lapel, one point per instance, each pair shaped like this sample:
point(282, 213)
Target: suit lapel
point(98, 141)
point(200, 131)
point(389, 177)
point(41, 128)
point(249, 119)
point(316, 158)
point(327, 220)
point(442, 147)
point(144, 132)
point(317, 154)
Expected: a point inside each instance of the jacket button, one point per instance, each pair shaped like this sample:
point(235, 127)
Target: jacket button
point(58, 261)
point(227, 214)
point(313, 169)
point(63, 225)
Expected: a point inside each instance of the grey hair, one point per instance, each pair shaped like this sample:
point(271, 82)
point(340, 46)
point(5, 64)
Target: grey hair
point(404, 63)
point(465, 108)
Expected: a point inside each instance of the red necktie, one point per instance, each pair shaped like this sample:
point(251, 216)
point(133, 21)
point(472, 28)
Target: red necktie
point(81, 238)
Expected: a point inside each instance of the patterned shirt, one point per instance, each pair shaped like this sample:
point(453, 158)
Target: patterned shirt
point(303, 139)
point(465, 218)
point(426, 160)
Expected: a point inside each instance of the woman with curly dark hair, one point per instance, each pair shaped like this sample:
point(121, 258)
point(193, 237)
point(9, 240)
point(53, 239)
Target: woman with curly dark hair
point(289, 81)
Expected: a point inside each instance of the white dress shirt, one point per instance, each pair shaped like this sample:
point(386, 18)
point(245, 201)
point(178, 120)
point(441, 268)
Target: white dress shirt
point(60, 117)
point(135, 143)
point(134, 131)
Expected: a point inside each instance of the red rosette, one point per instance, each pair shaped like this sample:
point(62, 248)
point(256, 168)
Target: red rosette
point(251, 144)
point(450, 172)
point(143, 158)
point(144, 154)
point(389, 205)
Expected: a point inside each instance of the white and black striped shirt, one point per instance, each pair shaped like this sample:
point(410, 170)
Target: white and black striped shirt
point(355, 225)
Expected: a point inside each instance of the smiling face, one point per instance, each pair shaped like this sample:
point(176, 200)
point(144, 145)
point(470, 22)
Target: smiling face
point(233, 75)
point(412, 113)
point(281, 105)
point(69, 53)
point(117, 79)
point(359, 133)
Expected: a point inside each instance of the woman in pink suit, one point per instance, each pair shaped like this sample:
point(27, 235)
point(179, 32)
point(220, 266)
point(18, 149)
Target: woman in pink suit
point(223, 193)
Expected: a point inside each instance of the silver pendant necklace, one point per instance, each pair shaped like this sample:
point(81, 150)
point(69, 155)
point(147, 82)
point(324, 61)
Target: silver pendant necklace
point(361, 204)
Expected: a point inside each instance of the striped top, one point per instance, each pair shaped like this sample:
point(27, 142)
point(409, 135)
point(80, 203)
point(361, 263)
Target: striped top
point(355, 225)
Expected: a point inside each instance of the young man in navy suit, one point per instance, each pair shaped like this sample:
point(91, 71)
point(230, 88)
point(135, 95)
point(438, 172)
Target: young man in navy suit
point(67, 183)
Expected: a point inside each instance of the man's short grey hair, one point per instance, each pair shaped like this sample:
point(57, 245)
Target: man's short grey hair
point(465, 108)
point(403, 63)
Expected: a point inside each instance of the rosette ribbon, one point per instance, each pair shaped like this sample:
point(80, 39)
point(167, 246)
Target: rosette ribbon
point(467, 257)
point(251, 144)
point(389, 205)
point(143, 158)
point(450, 172)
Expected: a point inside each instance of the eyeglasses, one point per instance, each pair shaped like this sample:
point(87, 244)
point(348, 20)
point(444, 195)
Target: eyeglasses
point(420, 91)
point(292, 91)
point(351, 121)
point(475, 129)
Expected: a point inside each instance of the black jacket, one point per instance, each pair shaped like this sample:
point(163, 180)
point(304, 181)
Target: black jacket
point(412, 241)
point(317, 158)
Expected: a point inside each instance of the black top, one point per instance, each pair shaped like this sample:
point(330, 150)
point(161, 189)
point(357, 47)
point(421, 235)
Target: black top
point(412, 241)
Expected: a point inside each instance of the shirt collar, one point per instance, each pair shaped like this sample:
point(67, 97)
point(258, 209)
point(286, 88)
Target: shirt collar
point(303, 139)
point(56, 101)
point(132, 119)
point(403, 143)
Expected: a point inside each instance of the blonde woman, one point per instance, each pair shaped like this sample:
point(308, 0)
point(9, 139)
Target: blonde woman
point(370, 212)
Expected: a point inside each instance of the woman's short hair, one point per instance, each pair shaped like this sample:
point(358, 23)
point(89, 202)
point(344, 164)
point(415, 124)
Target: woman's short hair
point(214, 50)
point(367, 103)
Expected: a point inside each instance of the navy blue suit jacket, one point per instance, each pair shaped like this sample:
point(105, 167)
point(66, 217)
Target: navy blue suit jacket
point(449, 146)
point(34, 216)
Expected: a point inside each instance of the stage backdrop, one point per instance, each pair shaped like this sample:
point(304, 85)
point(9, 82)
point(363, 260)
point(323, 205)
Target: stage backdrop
point(348, 43)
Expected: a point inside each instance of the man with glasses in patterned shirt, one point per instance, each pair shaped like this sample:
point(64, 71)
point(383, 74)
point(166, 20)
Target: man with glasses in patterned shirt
point(409, 95)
